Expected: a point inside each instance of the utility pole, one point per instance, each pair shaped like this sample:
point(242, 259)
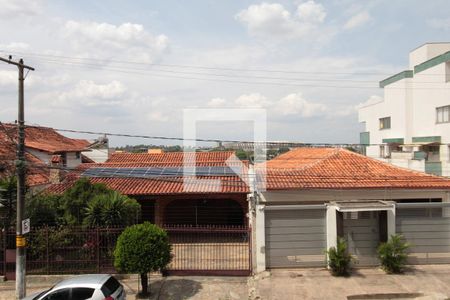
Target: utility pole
point(20, 169)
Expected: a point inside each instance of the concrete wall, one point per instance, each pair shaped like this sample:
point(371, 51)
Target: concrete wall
point(98, 155)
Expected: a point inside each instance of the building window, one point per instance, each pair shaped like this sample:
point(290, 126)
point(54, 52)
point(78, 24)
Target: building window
point(385, 123)
point(77, 155)
point(382, 151)
point(443, 114)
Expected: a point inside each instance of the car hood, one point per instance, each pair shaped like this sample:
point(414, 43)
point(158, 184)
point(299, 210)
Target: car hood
point(31, 297)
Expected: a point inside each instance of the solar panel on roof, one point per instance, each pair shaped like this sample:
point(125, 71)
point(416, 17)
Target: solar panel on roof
point(151, 172)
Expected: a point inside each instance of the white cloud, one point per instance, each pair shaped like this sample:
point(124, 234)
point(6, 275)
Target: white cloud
point(295, 104)
point(311, 12)
point(17, 8)
point(8, 78)
point(88, 93)
point(290, 105)
point(374, 99)
point(274, 21)
point(15, 46)
point(103, 39)
point(216, 102)
point(254, 100)
point(439, 23)
point(157, 116)
point(358, 20)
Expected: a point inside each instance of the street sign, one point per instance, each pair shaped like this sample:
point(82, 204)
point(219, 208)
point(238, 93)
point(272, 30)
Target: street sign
point(25, 226)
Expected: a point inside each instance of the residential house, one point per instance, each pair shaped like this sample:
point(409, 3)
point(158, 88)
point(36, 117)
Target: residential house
point(314, 195)
point(410, 127)
point(44, 147)
point(210, 191)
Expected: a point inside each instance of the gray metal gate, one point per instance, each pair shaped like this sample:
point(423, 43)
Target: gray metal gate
point(361, 231)
point(426, 226)
point(295, 237)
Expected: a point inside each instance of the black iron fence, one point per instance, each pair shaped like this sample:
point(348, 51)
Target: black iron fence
point(224, 250)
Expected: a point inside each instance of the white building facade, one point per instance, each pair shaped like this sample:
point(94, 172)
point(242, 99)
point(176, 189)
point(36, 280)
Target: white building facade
point(411, 127)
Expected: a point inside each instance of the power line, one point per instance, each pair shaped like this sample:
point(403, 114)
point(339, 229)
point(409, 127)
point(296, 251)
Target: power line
point(193, 66)
point(140, 63)
point(184, 75)
point(268, 143)
point(154, 73)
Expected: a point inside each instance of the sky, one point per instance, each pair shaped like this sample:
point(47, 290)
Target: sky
point(133, 67)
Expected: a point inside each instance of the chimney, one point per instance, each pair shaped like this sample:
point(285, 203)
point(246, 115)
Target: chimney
point(55, 171)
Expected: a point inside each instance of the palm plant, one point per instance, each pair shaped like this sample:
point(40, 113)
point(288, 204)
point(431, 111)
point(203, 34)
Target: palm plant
point(339, 259)
point(111, 209)
point(392, 254)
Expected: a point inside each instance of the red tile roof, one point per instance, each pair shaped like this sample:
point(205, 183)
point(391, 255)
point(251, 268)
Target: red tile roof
point(162, 185)
point(36, 173)
point(171, 157)
point(48, 140)
point(331, 168)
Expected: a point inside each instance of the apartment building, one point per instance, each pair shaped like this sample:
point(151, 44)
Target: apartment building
point(410, 127)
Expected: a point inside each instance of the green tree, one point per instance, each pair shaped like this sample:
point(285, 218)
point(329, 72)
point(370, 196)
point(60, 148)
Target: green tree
point(8, 197)
point(392, 254)
point(142, 249)
point(111, 209)
point(44, 210)
point(77, 198)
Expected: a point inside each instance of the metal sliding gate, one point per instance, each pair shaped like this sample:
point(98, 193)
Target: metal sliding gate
point(206, 250)
point(295, 236)
point(426, 227)
point(210, 250)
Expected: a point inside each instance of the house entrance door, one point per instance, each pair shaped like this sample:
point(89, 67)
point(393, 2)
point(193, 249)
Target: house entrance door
point(361, 230)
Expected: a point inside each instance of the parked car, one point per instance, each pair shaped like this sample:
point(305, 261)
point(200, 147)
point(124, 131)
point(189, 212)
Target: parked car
point(84, 287)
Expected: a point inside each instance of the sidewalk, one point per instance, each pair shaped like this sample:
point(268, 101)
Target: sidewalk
point(430, 282)
point(427, 282)
point(162, 288)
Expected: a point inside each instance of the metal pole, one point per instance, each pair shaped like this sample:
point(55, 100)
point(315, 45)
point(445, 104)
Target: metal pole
point(20, 167)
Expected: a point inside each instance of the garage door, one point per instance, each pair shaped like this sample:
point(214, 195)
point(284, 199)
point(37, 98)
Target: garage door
point(427, 230)
point(295, 238)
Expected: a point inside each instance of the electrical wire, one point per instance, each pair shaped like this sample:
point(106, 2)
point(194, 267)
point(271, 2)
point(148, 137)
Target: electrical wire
point(151, 72)
point(291, 144)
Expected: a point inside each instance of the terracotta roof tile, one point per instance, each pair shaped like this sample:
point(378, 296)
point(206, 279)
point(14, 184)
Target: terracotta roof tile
point(163, 185)
point(171, 157)
point(35, 174)
point(331, 168)
point(48, 140)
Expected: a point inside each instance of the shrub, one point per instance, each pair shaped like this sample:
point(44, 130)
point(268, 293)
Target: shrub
point(141, 249)
point(339, 259)
point(111, 209)
point(392, 254)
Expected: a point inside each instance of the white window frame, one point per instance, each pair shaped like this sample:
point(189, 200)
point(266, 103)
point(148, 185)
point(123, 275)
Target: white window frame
point(382, 123)
point(443, 114)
